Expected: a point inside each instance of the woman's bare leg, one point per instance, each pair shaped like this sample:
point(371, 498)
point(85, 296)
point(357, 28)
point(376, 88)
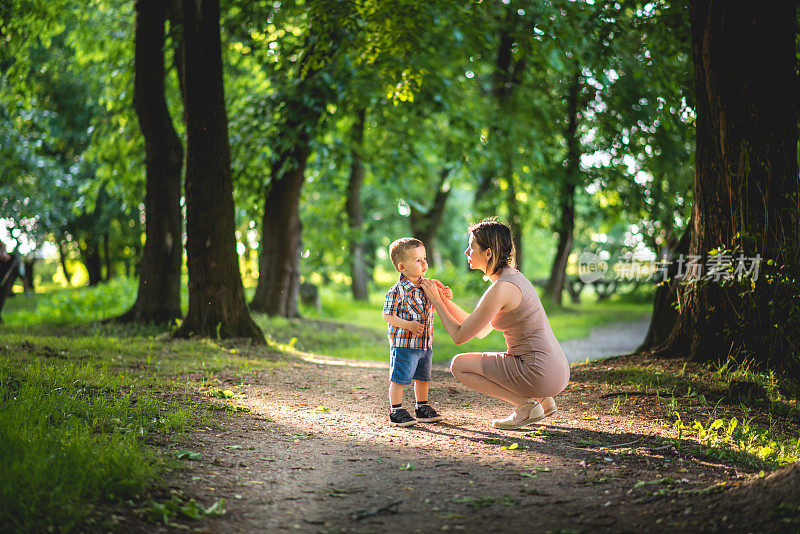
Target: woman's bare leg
point(468, 368)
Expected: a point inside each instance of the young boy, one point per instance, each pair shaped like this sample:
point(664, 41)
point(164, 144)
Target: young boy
point(410, 316)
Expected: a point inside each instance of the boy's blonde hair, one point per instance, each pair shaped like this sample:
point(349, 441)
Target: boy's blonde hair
point(399, 248)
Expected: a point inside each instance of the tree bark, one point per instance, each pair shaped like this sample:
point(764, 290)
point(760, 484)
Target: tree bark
point(109, 264)
point(746, 186)
point(90, 253)
point(558, 272)
point(8, 274)
point(507, 76)
point(355, 215)
point(281, 242)
point(158, 298)
point(247, 271)
point(28, 280)
point(62, 256)
point(425, 224)
point(664, 313)
point(216, 296)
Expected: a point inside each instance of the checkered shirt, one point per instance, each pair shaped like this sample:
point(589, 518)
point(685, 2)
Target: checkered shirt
point(407, 301)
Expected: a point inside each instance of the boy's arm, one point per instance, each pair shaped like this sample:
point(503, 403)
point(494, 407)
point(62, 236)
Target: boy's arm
point(413, 326)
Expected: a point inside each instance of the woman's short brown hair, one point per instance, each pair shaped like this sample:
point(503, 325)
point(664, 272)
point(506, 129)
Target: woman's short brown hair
point(492, 234)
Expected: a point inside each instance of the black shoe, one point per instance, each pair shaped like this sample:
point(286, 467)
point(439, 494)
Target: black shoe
point(401, 417)
point(426, 414)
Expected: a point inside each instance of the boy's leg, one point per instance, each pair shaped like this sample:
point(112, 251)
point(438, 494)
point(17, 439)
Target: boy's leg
point(400, 374)
point(421, 390)
point(396, 393)
point(424, 412)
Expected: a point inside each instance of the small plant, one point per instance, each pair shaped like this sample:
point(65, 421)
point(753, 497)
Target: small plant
point(175, 507)
point(617, 403)
point(741, 442)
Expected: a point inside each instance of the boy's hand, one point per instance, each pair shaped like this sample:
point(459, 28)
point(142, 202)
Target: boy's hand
point(415, 327)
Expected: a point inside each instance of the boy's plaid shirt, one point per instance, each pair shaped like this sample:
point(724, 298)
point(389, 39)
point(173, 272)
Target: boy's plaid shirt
point(407, 301)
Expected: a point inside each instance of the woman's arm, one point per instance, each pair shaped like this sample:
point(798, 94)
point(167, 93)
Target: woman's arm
point(455, 310)
point(460, 316)
point(475, 323)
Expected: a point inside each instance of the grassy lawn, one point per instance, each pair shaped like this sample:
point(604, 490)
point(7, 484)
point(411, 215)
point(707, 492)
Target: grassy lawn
point(83, 407)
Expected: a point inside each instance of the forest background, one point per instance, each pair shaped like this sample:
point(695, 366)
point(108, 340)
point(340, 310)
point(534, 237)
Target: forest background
point(202, 165)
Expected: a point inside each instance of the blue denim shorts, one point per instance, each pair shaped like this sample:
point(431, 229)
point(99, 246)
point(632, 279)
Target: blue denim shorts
point(406, 365)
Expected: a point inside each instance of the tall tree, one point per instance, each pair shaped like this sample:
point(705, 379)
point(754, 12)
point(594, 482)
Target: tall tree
point(158, 298)
point(216, 296)
point(746, 187)
point(355, 215)
point(511, 62)
point(425, 222)
point(305, 96)
point(572, 167)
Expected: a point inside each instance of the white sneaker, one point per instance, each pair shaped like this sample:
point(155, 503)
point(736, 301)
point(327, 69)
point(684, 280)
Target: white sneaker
point(549, 406)
point(524, 415)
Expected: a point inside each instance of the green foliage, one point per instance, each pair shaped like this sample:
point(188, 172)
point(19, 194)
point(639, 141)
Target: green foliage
point(71, 306)
point(175, 507)
point(742, 442)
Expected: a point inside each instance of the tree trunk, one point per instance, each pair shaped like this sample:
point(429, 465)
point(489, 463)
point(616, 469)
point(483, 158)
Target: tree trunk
point(514, 215)
point(216, 296)
point(506, 77)
point(247, 271)
point(109, 264)
point(28, 281)
point(481, 204)
point(62, 256)
point(8, 274)
point(279, 257)
point(159, 296)
point(355, 216)
point(664, 313)
point(746, 186)
point(90, 253)
point(558, 272)
point(425, 224)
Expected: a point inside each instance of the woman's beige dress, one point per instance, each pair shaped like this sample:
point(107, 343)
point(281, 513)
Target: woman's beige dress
point(534, 365)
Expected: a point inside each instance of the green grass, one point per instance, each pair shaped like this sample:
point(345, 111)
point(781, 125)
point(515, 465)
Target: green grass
point(72, 433)
point(349, 329)
point(81, 408)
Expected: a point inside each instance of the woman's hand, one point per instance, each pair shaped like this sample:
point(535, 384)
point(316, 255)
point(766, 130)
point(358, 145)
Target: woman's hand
point(431, 289)
point(444, 291)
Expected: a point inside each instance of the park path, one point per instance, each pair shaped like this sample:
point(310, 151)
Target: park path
point(611, 339)
point(315, 453)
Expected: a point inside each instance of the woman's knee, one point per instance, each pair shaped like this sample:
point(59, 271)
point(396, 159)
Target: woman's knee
point(454, 364)
point(465, 363)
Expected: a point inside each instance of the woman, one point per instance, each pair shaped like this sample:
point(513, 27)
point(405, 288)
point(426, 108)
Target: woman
point(533, 369)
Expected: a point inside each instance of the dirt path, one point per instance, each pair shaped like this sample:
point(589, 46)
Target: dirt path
point(317, 454)
point(608, 340)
